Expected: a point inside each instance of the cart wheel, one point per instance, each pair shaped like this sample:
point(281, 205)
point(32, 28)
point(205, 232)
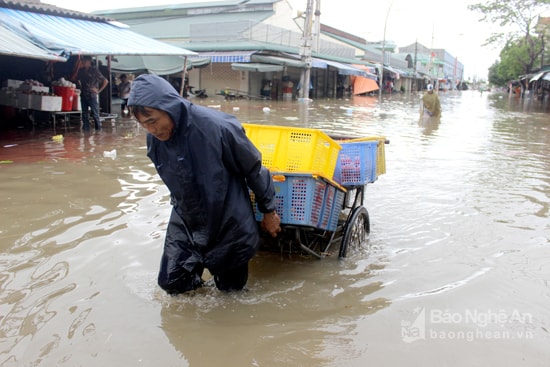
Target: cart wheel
point(356, 231)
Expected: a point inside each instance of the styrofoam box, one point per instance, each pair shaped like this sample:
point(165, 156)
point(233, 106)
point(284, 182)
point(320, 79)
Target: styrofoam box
point(46, 103)
point(34, 88)
point(12, 83)
point(23, 100)
point(8, 97)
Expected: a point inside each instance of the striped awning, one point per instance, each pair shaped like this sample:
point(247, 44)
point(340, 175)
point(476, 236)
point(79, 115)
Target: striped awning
point(226, 56)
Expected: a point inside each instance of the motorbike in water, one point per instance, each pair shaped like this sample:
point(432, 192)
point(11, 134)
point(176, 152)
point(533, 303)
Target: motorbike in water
point(199, 93)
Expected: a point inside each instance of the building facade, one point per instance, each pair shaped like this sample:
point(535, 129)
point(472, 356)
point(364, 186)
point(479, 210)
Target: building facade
point(269, 33)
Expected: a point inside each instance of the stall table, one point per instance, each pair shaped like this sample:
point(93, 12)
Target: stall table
point(66, 116)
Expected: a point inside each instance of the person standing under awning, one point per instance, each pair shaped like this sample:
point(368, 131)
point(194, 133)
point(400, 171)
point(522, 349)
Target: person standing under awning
point(90, 82)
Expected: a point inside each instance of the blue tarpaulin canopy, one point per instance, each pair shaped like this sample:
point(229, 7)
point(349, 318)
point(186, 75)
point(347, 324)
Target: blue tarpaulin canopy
point(65, 36)
point(12, 44)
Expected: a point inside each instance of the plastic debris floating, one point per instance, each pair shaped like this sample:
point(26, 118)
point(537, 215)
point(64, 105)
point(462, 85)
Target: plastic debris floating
point(110, 154)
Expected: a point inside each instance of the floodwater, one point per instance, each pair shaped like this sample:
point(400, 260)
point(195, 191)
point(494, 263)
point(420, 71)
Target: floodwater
point(455, 273)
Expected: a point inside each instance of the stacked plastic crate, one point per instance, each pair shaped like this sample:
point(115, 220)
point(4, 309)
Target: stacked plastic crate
point(302, 162)
point(360, 161)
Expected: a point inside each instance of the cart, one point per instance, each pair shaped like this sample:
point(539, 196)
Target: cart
point(103, 116)
point(319, 216)
point(349, 234)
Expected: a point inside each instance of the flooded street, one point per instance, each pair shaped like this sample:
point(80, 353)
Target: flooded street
point(456, 271)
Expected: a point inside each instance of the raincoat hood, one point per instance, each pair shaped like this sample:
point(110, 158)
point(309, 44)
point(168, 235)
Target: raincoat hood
point(150, 90)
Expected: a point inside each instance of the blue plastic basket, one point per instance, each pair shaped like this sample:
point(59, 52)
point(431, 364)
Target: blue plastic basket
point(338, 203)
point(305, 200)
point(356, 163)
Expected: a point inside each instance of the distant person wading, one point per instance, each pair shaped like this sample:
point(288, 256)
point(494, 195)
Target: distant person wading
point(430, 101)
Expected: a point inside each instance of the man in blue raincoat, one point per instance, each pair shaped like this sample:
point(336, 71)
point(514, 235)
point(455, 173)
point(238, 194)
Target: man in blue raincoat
point(207, 162)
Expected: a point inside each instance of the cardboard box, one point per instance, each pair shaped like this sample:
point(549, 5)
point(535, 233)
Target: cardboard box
point(34, 88)
point(12, 83)
point(46, 103)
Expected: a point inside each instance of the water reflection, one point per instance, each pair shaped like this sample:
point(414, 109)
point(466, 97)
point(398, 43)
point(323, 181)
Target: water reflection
point(429, 124)
point(459, 222)
point(310, 305)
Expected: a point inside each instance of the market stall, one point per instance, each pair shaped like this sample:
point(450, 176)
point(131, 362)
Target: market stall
point(59, 38)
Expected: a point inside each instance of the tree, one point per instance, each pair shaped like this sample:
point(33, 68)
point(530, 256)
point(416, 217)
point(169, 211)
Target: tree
point(494, 78)
point(513, 60)
point(517, 20)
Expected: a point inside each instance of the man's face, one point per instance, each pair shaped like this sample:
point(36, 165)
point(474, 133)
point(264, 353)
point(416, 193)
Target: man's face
point(158, 123)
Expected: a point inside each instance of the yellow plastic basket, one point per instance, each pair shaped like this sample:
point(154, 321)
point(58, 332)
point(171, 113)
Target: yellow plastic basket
point(292, 149)
point(380, 152)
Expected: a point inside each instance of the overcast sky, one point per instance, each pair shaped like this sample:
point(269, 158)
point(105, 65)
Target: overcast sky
point(444, 24)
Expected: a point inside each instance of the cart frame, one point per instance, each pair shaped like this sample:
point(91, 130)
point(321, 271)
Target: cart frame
point(353, 224)
point(351, 231)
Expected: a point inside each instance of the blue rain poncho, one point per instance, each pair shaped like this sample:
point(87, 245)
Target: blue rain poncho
point(207, 165)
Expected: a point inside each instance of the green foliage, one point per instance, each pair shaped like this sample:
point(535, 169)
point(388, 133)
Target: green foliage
point(517, 54)
point(495, 78)
point(513, 17)
point(514, 61)
point(516, 20)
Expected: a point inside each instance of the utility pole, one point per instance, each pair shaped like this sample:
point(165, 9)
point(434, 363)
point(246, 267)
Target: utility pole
point(414, 65)
point(381, 72)
point(431, 65)
point(305, 52)
point(317, 33)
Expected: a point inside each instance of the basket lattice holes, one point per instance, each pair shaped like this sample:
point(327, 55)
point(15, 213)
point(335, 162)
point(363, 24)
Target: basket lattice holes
point(300, 147)
point(268, 153)
point(356, 163)
point(307, 200)
point(328, 206)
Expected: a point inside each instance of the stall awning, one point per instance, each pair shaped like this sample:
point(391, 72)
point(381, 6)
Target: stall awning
point(12, 44)
point(66, 36)
point(256, 66)
point(160, 65)
point(368, 70)
point(537, 77)
point(278, 60)
point(394, 71)
point(362, 85)
point(343, 69)
point(226, 56)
